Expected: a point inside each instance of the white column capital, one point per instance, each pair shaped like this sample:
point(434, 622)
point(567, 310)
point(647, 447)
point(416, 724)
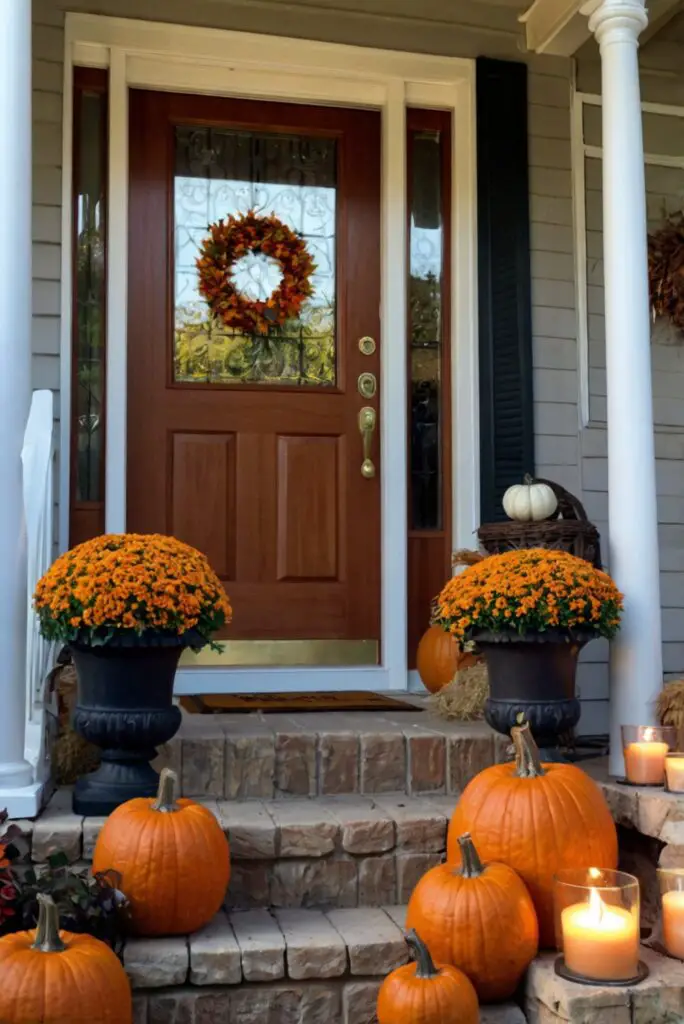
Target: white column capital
point(618, 21)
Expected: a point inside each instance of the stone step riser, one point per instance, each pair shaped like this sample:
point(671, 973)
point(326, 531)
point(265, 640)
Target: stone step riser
point(345, 1002)
point(344, 852)
point(341, 1002)
point(245, 757)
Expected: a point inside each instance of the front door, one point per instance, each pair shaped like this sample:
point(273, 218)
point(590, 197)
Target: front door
point(248, 443)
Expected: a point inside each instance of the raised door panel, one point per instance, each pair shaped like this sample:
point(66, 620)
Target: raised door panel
point(203, 496)
point(255, 512)
point(308, 508)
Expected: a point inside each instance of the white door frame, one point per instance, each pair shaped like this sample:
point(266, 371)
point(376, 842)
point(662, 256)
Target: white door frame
point(187, 59)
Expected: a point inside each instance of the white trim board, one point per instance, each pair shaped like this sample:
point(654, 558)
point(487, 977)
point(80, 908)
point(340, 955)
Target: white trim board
point(580, 152)
point(189, 59)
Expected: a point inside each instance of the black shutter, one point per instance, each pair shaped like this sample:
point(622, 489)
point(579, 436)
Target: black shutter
point(505, 343)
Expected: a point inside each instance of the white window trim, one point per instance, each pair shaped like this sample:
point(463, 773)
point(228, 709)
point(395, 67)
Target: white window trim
point(580, 151)
point(190, 59)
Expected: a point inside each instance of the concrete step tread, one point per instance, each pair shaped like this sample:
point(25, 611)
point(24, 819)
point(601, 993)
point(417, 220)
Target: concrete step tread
point(269, 945)
point(267, 830)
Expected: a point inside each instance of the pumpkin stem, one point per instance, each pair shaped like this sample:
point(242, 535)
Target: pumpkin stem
point(425, 966)
point(166, 794)
point(527, 760)
point(47, 938)
point(527, 479)
point(471, 866)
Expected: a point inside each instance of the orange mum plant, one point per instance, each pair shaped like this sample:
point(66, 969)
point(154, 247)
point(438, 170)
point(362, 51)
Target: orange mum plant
point(532, 590)
point(120, 586)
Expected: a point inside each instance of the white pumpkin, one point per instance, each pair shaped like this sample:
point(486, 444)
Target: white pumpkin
point(529, 502)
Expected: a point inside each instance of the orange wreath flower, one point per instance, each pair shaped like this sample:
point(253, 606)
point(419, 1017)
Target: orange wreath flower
point(236, 236)
point(130, 584)
point(531, 590)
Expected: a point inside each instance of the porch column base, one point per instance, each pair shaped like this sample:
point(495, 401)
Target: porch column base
point(16, 775)
point(636, 653)
point(21, 801)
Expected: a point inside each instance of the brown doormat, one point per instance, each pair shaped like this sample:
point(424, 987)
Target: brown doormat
point(236, 703)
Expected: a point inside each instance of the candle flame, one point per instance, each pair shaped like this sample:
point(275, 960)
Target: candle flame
point(595, 873)
point(596, 906)
point(649, 734)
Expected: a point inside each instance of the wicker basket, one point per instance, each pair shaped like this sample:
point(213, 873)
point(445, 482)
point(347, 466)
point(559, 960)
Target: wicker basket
point(569, 530)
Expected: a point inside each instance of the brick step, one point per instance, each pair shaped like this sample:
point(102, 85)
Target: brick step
point(338, 852)
point(294, 966)
point(264, 756)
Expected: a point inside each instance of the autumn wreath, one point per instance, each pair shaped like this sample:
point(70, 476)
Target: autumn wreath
point(666, 270)
point(236, 236)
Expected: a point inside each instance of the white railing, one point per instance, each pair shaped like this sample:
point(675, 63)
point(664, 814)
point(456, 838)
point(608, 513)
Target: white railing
point(38, 456)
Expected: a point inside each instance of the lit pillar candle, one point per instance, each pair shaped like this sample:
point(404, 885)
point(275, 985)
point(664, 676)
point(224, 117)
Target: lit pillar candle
point(674, 769)
point(673, 923)
point(645, 760)
point(600, 941)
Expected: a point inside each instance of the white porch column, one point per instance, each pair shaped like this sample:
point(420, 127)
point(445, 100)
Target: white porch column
point(15, 390)
point(636, 655)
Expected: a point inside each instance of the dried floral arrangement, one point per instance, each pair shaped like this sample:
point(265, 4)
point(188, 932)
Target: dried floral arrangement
point(666, 270)
point(670, 707)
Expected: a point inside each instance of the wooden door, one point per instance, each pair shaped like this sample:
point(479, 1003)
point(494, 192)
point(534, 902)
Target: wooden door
point(249, 447)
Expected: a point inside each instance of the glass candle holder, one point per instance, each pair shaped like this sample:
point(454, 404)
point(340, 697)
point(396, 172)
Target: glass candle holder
point(597, 926)
point(674, 771)
point(644, 748)
point(671, 882)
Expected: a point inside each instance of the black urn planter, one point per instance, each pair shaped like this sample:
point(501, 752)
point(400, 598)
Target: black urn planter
point(125, 707)
point(533, 675)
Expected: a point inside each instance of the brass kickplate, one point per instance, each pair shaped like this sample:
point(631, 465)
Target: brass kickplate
point(270, 653)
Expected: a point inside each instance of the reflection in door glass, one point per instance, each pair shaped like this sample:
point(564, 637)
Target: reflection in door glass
point(89, 296)
point(218, 173)
point(426, 238)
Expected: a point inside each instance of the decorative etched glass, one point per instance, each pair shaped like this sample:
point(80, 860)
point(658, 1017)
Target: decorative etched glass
point(221, 172)
point(425, 312)
point(89, 309)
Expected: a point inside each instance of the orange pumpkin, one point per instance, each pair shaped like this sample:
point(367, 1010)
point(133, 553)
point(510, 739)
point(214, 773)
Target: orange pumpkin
point(173, 859)
point(538, 819)
point(423, 993)
point(53, 977)
point(480, 918)
point(439, 658)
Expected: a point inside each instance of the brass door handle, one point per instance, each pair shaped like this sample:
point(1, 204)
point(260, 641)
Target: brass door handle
point(367, 420)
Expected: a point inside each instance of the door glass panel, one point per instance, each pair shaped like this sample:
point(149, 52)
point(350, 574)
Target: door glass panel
point(218, 173)
point(426, 241)
point(89, 295)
